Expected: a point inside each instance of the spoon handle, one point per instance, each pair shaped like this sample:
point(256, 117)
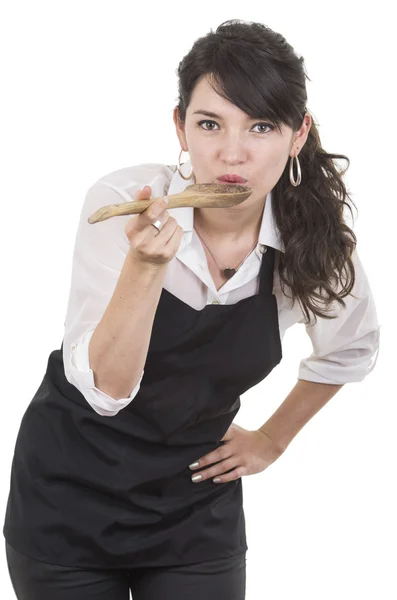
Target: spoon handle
point(125, 208)
point(137, 206)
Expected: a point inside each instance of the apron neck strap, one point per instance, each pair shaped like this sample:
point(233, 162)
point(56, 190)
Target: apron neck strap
point(266, 271)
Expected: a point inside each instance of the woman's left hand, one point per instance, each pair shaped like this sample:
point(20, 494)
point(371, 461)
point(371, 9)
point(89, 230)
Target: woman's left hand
point(243, 453)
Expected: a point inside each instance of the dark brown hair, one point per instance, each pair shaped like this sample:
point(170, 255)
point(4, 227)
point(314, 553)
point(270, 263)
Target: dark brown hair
point(257, 70)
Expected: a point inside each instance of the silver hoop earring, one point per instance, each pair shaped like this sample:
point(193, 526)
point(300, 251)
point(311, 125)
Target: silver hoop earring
point(291, 171)
point(179, 170)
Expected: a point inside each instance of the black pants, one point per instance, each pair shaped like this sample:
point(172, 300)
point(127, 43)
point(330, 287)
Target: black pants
point(221, 579)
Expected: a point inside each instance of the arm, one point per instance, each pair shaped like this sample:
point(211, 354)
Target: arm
point(120, 342)
point(301, 404)
point(345, 350)
point(100, 272)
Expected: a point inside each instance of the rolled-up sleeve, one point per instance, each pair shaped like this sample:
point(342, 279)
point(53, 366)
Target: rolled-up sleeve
point(82, 376)
point(345, 349)
point(99, 254)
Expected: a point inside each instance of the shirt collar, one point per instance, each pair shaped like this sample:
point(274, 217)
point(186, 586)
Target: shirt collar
point(269, 234)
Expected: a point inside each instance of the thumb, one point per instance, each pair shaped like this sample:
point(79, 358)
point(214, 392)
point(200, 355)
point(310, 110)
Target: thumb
point(147, 190)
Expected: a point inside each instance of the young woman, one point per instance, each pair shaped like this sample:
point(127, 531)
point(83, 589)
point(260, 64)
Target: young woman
point(172, 315)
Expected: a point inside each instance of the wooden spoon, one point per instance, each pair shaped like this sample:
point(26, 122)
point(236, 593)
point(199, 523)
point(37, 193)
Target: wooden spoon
point(199, 195)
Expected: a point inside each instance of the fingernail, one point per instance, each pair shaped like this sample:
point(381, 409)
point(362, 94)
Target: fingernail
point(196, 477)
point(194, 465)
point(217, 480)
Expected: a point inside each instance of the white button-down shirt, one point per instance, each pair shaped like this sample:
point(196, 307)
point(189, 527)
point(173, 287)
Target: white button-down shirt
point(344, 349)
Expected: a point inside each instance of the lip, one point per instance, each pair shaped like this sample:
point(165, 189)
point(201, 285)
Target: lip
point(231, 178)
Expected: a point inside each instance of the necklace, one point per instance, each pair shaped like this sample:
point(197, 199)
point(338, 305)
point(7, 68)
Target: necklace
point(228, 272)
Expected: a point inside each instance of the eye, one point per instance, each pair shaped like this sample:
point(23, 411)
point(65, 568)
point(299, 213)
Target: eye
point(264, 125)
point(261, 124)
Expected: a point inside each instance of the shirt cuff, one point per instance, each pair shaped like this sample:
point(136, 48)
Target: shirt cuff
point(342, 366)
point(101, 402)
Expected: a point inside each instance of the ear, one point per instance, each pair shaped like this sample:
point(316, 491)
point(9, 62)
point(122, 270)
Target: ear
point(299, 138)
point(180, 130)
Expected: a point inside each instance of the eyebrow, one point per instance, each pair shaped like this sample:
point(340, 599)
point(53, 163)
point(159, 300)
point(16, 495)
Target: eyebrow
point(207, 113)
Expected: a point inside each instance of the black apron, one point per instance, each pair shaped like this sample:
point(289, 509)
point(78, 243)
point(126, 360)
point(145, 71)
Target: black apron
point(115, 492)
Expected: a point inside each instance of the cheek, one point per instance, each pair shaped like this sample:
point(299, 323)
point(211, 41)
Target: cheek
point(200, 153)
point(278, 164)
point(201, 163)
point(273, 168)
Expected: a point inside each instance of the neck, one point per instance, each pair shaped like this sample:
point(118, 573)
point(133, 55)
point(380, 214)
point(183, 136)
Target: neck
point(229, 225)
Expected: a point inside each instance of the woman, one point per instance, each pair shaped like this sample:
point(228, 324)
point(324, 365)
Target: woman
point(172, 315)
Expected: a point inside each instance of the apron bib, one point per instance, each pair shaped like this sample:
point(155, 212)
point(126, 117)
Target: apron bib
point(116, 492)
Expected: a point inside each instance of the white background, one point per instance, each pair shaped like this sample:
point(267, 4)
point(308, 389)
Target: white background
point(89, 87)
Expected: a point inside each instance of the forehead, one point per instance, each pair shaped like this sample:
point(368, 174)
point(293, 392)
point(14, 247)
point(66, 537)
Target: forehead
point(206, 98)
point(203, 87)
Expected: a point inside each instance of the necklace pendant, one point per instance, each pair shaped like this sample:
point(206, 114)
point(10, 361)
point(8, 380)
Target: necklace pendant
point(228, 273)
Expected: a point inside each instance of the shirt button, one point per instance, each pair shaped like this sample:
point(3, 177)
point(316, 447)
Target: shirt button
point(215, 302)
point(263, 248)
point(73, 347)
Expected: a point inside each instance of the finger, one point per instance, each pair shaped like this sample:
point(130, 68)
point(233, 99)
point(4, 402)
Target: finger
point(232, 476)
point(216, 455)
point(219, 469)
point(155, 210)
point(175, 240)
point(163, 237)
point(146, 190)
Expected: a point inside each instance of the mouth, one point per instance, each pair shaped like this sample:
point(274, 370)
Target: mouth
point(232, 178)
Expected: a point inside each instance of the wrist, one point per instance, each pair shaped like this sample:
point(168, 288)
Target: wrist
point(149, 267)
point(278, 446)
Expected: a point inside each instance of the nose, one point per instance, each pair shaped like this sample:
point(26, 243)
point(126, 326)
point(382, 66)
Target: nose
point(233, 152)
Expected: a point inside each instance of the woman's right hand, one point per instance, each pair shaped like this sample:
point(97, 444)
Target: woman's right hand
point(149, 245)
